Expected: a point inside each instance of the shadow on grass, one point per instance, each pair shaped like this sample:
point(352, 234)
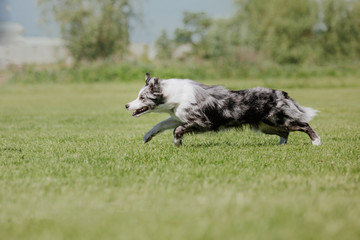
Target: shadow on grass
point(230, 144)
point(10, 149)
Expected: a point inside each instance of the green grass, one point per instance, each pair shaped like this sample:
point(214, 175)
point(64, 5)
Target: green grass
point(73, 166)
point(107, 71)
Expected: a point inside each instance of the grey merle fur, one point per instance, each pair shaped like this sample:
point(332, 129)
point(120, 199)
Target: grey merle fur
point(268, 110)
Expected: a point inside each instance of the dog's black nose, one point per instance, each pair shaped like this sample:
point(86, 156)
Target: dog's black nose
point(127, 106)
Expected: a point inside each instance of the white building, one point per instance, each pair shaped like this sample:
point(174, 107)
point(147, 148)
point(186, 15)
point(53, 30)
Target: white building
point(18, 50)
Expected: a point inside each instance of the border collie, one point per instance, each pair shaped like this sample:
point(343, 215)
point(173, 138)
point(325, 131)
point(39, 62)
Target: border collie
point(195, 107)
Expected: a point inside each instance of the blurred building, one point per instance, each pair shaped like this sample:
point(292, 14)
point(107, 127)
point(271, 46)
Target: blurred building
point(141, 50)
point(16, 49)
point(19, 50)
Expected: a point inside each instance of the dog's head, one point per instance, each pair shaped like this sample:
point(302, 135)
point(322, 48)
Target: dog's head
point(148, 99)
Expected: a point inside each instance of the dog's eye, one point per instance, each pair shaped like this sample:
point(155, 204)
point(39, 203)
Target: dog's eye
point(141, 98)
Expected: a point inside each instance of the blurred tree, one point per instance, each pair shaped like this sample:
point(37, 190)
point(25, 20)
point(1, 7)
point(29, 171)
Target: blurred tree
point(342, 38)
point(194, 32)
point(302, 31)
point(280, 29)
point(225, 39)
point(164, 46)
point(92, 29)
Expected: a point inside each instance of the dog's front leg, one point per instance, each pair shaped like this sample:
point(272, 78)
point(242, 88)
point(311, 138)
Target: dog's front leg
point(181, 130)
point(169, 123)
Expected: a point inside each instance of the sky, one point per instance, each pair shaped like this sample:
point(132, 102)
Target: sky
point(157, 15)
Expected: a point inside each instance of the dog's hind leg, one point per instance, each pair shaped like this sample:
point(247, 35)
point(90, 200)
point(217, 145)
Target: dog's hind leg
point(283, 137)
point(274, 130)
point(169, 123)
point(305, 127)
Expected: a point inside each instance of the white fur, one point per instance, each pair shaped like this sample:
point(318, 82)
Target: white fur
point(310, 113)
point(179, 94)
point(136, 104)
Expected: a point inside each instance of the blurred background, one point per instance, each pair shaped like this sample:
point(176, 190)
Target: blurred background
point(196, 39)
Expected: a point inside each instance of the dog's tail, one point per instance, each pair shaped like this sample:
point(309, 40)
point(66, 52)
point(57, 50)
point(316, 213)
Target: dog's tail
point(308, 113)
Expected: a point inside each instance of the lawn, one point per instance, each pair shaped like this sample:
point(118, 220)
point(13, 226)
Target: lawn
point(73, 166)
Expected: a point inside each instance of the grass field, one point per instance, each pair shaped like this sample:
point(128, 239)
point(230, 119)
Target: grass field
point(73, 166)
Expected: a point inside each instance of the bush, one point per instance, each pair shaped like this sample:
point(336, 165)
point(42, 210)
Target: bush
point(277, 31)
point(92, 29)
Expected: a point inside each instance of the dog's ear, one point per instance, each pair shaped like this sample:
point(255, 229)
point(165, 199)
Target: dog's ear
point(147, 78)
point(154, 84)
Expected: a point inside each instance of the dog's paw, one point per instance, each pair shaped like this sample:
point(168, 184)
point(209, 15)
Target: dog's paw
point(316, 142)
point(178, 142)
point(147, 138)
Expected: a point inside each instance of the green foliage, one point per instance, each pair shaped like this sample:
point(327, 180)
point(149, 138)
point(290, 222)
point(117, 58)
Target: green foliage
point(277, 31)
point(286, 34)
point(92, 29)
point(194, 32)
point(164, 46)
point(73, 166)
point(341, 41)
point(108, 71)
point(195, 28)
point(281, 29)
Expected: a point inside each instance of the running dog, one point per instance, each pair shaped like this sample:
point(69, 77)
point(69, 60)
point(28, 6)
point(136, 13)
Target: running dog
point(195, 107)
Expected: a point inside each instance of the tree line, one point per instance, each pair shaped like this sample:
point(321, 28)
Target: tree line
point(279, 31)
